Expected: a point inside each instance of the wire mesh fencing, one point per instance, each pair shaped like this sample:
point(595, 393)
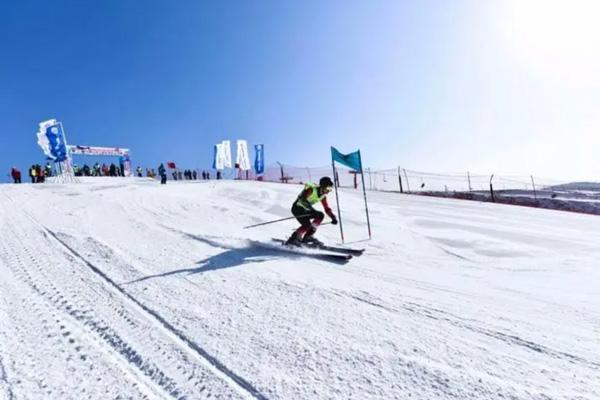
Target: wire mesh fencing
point(525, 190)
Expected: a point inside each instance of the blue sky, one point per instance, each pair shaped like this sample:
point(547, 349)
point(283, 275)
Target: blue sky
point(444, 86)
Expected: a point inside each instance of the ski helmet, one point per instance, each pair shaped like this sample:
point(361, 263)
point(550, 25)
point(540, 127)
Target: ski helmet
point(325, 182)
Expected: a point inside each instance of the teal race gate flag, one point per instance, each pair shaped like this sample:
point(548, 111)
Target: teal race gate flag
point(351, 160)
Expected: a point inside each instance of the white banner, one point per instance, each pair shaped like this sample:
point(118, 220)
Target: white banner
point(226, 153)
point(219, 163)
point(242, 155)
point(98, 151)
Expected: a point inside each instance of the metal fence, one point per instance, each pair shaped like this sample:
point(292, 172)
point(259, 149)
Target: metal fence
point(410, 181)
point(525, 190)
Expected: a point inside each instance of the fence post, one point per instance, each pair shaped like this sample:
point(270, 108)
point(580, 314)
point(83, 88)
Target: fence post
point(534, 192)
point(400, 180)
point(469, 179)
point(281, 170)
point(407, 184)
point(492, 189)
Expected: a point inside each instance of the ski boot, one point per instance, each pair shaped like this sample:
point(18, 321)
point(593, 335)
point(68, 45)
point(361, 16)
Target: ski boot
point(294, 240)
point(310, 240)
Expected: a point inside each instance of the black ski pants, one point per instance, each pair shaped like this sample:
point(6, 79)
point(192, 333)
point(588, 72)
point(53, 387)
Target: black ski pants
point(309, 219)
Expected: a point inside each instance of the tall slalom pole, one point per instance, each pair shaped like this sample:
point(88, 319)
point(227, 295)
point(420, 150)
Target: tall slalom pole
point(337, 198)
point(364, 193)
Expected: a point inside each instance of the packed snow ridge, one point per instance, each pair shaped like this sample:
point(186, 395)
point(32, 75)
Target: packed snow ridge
point(125, 289)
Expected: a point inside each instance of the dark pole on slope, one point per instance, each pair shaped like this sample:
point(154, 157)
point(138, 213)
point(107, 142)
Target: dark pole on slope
point(337, 200)
point(400, 180)
point(364, 193)
point(277, 220)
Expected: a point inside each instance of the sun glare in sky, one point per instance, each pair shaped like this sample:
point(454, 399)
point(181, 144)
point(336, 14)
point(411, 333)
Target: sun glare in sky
point(558, 39)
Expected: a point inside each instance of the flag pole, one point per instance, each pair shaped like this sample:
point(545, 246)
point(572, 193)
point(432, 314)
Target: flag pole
point(337, 198)
point(364, 193)
point(68, 161)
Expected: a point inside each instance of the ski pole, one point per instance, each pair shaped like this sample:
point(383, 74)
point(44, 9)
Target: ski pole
point(277, 220)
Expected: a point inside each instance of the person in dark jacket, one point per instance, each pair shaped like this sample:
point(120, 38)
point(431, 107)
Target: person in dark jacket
point(16, 175)
point(309, 218)
point(48, 169)
point(39, 173)
point(163, 174)
point(32, 173)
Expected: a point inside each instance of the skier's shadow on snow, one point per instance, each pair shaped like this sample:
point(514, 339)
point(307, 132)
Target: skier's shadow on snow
point(227, 259)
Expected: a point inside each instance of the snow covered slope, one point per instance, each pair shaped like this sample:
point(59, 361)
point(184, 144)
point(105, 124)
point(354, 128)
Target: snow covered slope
point(118, 289)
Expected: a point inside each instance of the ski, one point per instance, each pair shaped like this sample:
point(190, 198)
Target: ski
point(335, 249)
point(335, 257)
point(344, 250)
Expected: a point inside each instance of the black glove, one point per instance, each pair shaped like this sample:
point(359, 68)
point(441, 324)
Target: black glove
point(334, 220)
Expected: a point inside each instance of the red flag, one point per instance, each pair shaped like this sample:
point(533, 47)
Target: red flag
point(171, 164)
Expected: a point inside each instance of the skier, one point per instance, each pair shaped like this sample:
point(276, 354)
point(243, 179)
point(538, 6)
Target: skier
point(309, 218)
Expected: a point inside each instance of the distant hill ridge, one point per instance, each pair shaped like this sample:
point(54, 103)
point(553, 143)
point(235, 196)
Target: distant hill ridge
point(591, 186)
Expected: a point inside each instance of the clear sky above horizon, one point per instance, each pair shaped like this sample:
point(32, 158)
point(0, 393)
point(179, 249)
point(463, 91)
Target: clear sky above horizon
point(443, 86)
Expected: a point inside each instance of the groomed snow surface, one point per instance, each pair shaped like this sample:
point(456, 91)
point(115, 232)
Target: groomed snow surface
point(126, 289)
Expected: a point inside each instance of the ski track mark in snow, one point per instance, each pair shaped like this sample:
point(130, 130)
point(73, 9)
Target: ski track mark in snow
point(440, 315)
point(42, 284)
point(213, 361)
point(49, 317)
point(4, 383)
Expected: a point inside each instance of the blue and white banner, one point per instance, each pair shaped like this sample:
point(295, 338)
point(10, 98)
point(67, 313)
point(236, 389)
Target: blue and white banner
point(215, 155)
point(51, 139)
point(259, 158)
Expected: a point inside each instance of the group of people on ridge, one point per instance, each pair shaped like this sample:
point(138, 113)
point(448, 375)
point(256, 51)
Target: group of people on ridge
point(302, 208)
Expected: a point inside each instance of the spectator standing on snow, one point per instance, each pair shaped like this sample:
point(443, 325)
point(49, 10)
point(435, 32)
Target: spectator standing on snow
point(16, 175)
point(32, 173)
point(38, 173)
point(48, 169)
point(163, 174)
